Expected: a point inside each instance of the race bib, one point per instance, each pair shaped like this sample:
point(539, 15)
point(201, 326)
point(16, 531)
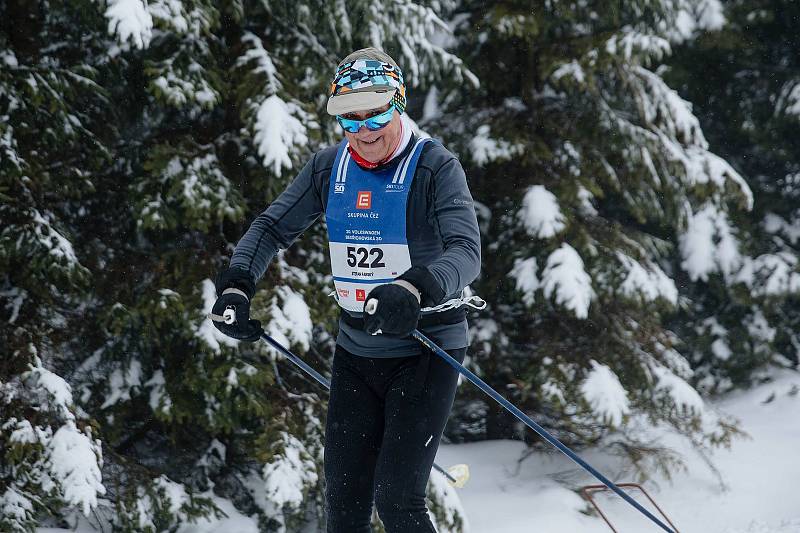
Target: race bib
point(366, 217)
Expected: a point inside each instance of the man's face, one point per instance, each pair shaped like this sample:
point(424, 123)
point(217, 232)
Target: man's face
point(374, 146)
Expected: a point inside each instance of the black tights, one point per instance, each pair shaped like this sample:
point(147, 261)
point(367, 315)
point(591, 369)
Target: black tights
point(385, 419)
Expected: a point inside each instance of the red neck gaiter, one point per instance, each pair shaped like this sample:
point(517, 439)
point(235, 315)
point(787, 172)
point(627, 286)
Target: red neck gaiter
point(369, 165)
point(363, 163)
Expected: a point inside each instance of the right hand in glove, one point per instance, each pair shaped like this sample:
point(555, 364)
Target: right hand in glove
point(235, 289)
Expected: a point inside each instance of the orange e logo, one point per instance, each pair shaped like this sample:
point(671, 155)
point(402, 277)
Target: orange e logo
point(364, 200)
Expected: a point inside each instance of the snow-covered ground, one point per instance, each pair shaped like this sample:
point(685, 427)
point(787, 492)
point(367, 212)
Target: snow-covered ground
point(761, 476)
point(505, 495)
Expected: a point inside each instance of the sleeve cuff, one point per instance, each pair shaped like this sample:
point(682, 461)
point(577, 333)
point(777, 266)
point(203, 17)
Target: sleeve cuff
point(236, 277)
point(430, 291)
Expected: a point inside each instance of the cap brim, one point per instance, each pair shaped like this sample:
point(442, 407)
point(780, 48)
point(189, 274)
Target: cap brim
point(358, 101)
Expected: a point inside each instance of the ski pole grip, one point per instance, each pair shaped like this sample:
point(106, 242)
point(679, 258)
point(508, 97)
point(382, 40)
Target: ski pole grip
point(230, 315)
point(371, 306)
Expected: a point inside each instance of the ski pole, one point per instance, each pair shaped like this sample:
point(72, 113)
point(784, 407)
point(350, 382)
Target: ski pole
point(533, 425)
point(327, 384)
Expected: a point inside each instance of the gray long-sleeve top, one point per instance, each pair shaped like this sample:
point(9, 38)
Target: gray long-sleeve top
point(441, 229)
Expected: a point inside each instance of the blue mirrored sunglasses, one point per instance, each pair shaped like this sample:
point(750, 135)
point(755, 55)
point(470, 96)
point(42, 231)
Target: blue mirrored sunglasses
point(372, 123)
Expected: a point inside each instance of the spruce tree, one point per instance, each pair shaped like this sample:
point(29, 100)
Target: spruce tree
point(593, 176)
point(743, 79)
point(52, 141)
point(139, 140)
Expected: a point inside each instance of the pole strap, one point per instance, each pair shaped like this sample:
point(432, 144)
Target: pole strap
point(474, 301)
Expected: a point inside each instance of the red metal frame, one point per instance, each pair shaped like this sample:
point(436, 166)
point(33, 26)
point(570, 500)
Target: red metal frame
point(587, 491)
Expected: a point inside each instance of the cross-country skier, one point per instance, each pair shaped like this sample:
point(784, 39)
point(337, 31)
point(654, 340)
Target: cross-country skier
point(403, 237)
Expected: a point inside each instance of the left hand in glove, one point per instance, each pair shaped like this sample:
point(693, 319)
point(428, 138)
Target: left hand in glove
point(395, 310)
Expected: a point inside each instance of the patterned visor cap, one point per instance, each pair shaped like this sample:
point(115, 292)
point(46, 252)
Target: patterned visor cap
point(366, 84)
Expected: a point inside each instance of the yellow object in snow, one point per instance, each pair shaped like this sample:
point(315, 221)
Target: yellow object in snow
point(460, 473)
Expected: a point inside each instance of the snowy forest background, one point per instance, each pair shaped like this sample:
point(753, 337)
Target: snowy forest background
point(636, 174)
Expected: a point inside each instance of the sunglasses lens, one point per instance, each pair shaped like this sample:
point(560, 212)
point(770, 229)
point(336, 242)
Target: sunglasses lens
point(349, 125)
point(372, 123)
point(379, 121)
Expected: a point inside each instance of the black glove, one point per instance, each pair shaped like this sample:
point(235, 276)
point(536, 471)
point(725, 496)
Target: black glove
point(235, 289)
point(396, 313)
point(430, 292)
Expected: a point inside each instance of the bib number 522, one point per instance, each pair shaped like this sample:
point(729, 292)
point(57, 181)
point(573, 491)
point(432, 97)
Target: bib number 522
point(359, 256)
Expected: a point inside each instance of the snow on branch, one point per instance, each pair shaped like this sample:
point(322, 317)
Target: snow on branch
point(692, 17)
point(9, 58)
point(572, 70)
point(291, 322)
point(279, 123)
point(58, 393)
point(226, 517)
point(540, 213)
point(662, 108)
point(630, 43)
point(160, 399)
point(187, 189)
point(130, 19)
point(450, 507)
point(605, 394)
point(671, 385)
point(180, 84)
point(75, 460)
point(704, 167)
point(287, 475)
point(203, 189)
point(680, 393)
point(123, 381)
point(789, 100)
point(771, 274)
point(565, 277)
point(16, 507)
point(677, 130)
point(173, 16)
point(708, 245)
point(50, 239)
point(9, 149)
point(674, 360)
point(777, 225)
point(174, 493)
point(527, 282)
point(648, 282)
point(279, 130)
point(72, 457)
point(670, 140)
point(263, 62)
point(484, 149)
point(419, 32)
